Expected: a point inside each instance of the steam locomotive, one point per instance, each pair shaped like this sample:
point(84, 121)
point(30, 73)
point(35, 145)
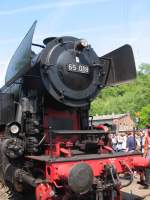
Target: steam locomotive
point(48, 150)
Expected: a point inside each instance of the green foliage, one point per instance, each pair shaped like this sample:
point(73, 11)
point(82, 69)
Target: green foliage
point(145, 114)
point(144, 68)
point(132, 97)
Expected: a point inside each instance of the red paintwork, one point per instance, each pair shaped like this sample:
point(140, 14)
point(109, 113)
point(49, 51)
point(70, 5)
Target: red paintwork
point(44, 192)
point(57, 150)
point(2, 134)
point(103, 127)
point(61, 170)
point(141, 162)
point(58, 172)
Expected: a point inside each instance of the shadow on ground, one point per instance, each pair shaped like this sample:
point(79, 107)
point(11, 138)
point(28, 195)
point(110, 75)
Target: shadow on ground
point(130, 196)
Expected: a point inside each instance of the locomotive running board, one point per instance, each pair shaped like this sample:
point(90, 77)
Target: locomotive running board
point(78, 132)
point(47, 158)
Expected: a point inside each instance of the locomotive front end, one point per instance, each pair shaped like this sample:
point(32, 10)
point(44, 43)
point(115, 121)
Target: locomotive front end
point(48, 150)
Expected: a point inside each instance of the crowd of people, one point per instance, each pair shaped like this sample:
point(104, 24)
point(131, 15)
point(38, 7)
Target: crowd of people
point(131, 141)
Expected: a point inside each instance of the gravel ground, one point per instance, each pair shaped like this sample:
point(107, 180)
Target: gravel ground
point(131, 192)
point(3, 194)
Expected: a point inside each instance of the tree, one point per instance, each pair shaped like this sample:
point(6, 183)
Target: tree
point(132, 97)
point(145, 115)
point(144, 68)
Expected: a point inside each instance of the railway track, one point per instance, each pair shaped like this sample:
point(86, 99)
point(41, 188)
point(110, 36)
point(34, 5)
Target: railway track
point(133, 188)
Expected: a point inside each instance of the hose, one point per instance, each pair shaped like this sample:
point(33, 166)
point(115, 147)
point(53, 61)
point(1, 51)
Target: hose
point(130, 173)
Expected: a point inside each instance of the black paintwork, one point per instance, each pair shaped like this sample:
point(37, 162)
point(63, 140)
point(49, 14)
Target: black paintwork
point(122, 65)
point(7, 108)
point(44, 158)
point(21, 60)
point(70, 88)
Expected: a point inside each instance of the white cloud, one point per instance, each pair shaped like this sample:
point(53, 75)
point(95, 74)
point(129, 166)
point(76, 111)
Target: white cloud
point(45, 6)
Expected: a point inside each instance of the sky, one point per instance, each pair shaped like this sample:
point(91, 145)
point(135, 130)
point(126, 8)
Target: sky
point(105, 24)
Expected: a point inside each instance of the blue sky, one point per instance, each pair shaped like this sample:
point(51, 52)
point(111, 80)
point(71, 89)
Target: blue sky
point(106, 24)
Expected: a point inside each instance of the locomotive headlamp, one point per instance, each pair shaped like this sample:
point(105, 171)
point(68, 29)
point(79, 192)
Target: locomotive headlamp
point(84, 43)
point(14, 128)
point(81, 44)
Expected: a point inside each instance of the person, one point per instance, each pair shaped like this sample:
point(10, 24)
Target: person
point(147, 142)
point(142, 138)
point(146, 154)
point(114, 141)
point(138, 140)
point(131, 142)
point(124, 143)
point(121, 142)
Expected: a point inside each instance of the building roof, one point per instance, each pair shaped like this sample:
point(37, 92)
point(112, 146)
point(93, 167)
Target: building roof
point(109, 117)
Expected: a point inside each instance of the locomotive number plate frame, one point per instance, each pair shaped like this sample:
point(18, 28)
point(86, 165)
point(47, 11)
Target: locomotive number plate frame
point(84, 69)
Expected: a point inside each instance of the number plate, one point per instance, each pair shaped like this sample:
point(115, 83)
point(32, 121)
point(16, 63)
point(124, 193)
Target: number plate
point(78, 68)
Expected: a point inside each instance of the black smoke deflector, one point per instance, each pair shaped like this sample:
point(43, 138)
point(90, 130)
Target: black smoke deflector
point(21, 60)
point(121, 66)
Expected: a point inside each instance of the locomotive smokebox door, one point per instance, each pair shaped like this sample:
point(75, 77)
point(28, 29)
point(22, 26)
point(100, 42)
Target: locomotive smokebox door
point(80, 178)
point(121, 65)
point(70, 71)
